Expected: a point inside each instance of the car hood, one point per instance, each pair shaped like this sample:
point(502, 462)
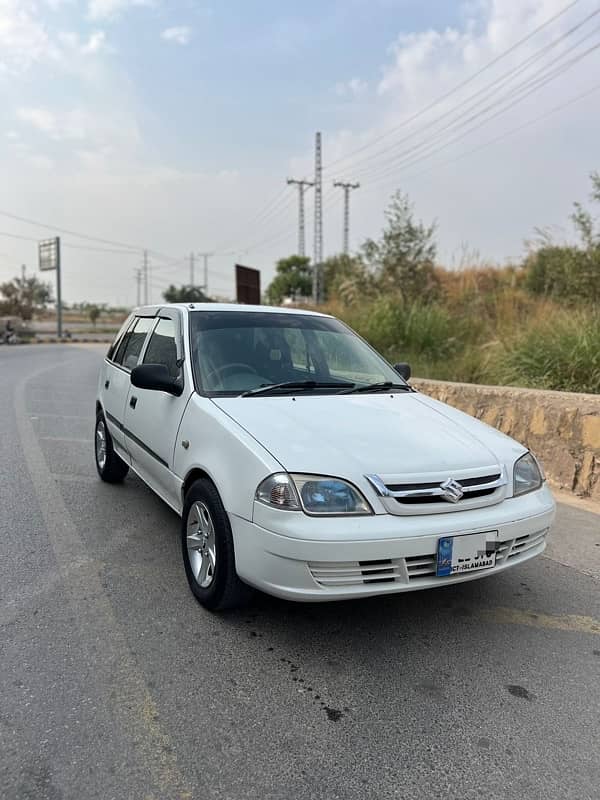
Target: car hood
point(352, 435)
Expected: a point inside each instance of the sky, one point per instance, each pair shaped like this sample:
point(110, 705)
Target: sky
point(172, 126)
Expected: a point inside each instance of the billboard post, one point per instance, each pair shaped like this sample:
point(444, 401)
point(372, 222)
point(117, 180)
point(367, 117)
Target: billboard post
point(49, 259)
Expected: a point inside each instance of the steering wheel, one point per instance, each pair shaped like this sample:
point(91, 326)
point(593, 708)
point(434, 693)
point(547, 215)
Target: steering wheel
point(230, 367)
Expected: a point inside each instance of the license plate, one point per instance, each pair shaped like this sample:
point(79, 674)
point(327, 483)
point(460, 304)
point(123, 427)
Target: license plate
point(467, 553)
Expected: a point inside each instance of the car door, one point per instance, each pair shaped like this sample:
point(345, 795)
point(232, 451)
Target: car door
point(152, 417)
point(120, 360)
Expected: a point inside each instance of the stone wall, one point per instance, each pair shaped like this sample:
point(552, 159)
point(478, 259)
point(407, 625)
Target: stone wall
point(561, 428)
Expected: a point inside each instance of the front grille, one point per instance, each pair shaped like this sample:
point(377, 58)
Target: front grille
point(524, 543)
point(356, 573)
point(441, 493)
point(407, 487)
point(420, 566)
point(420, 500)
point(467, 483)
point(412, 569)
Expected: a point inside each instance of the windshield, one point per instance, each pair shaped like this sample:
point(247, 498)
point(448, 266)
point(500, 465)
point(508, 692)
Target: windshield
point(237, 351)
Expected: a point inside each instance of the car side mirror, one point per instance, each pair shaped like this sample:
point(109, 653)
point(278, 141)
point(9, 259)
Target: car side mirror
point(403, 369)
point(155, 377)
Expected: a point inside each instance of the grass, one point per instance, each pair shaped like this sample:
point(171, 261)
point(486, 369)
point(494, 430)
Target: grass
point(495, 333)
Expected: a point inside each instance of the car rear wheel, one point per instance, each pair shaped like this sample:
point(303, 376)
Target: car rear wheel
point(208, 552)
point(110, 466)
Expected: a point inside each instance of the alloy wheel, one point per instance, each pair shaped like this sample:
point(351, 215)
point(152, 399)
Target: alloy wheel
point(201, 544)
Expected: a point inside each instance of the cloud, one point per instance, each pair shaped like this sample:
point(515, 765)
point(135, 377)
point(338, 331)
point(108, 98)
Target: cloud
point(23, 37)
point(95, 43)
point(489, 195)
point(40, 118)
point(352, 88)
point(111, 9)
point(102, 131)
point(40, 161)
point(180, 34)
point(492, 199)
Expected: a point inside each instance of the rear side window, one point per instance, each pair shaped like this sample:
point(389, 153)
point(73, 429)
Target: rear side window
point(131, 345)
point(161, 347)
point(117, 340)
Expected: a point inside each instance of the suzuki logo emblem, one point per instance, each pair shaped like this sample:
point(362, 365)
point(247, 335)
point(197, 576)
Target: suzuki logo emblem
point(451, 490)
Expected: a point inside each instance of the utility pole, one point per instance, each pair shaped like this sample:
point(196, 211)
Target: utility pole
point(145, 269)
point(138, 284)
point(318, 243)
point(23, 268)
point(302, 185)
point(205, 257)
point(192, 278)
point(59, 325)
point(347, 187)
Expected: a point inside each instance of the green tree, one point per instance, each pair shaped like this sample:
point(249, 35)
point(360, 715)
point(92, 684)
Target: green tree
point(402, 261)
point(293, 279)
point(185, 294)
point(582, 218)
point(23, 297)
point(568, 272)
point(93, 313)
point(346, 277)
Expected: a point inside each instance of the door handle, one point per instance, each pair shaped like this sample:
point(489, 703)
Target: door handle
point(106, 384)
point(133, 402)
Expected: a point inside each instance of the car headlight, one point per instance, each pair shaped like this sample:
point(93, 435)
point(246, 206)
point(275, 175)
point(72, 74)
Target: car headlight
point(527, 475)
point(314, 494)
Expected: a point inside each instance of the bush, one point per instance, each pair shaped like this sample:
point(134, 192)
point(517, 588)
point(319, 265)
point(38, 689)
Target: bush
point(561, 353)
point(396, 328)
point(567, 272)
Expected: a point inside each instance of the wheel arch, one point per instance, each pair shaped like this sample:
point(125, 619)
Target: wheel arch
point(195, 474)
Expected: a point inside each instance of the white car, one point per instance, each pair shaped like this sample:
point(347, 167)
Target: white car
point(303, 464)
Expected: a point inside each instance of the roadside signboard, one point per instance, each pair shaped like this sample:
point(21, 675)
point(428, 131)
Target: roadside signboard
point(49, 253)
point(247, 285)
point(49, 259)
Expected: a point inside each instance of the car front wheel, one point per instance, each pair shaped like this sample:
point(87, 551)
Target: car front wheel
point(208, 553)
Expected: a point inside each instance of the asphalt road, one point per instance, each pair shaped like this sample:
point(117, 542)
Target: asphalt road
point(114, 683)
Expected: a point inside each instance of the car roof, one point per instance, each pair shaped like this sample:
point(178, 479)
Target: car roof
point(191, 307)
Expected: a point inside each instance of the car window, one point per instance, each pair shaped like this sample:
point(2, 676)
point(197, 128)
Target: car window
point(161, 347)
point(129, 350)
point(118, 338)
point(233, 352)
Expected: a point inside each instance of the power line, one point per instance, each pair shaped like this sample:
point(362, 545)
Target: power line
point(532, 83)
point(126, 247)
point(58, 229)
point(261, 214)
point(411, 157)
point(508, 133)
point(490, 89)
point(455, 89)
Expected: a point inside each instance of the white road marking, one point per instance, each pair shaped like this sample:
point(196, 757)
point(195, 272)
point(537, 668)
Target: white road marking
point(133, 705)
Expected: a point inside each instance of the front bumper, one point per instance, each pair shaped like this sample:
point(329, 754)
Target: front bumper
point(297, 557)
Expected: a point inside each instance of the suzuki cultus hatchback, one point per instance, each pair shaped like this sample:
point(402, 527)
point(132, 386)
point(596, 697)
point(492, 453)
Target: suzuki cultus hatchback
point(303, 464)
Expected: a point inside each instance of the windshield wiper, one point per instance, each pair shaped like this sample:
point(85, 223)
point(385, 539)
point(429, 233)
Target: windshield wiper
point(383, 386)
point(296, 386)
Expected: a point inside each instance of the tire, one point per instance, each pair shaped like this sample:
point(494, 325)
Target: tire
point(111, 468)
point(208, 552)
